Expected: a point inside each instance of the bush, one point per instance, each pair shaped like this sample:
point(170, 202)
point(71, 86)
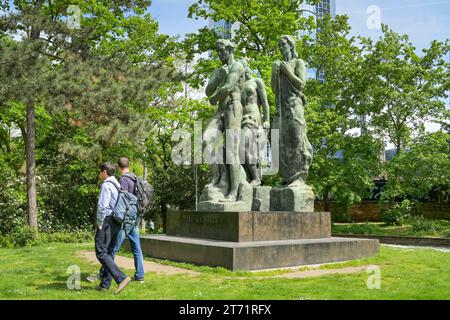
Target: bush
point(356, 228)
point(420, 224)
point(24, 236)
point(12, 204)
point(78, 236)
point(5, 242)
point(341, 217)
point(447, 234)
point(397, 215)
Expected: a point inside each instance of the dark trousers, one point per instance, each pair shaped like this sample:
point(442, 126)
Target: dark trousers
point(105, 240)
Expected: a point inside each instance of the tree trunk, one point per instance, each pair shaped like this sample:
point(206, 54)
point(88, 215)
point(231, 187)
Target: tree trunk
point(34, 35)
point(164, 216)
point(398, 147)
point(31, 166)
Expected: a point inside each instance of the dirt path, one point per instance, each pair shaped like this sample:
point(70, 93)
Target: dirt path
point(160, 269)
point(128, 264)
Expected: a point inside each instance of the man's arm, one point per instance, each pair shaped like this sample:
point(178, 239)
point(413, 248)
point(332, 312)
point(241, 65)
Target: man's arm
point(213, 82)
point(103, 203)
point(233, 77)
point(298, 75)
point(274, 79)
point(262, 95)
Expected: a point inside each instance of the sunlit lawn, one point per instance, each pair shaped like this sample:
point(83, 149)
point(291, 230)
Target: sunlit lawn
point(40, 273)
point(434, 229)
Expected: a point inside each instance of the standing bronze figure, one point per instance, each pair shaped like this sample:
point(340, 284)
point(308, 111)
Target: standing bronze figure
point(224, 90)
point(288, 83)
point(253, 138)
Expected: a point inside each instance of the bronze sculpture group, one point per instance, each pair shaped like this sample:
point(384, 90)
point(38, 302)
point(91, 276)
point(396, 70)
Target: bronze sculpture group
point(239, 97)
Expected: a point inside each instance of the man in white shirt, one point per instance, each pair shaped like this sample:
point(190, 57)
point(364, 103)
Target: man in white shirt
point(107, 230)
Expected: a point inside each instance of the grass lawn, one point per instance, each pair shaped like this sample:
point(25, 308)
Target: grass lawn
point(430, 229)
point(40, 273)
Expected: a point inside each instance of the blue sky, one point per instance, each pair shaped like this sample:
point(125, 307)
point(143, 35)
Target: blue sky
point(422, 20)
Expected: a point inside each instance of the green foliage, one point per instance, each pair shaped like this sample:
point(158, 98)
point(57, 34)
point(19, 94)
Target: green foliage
point(261, 24)
point(422, 171)
point(414, 226)
point(91, 89)
point(5, 242)
point(66, 236)
point(12, 204)
point(356, 228)
point(420, 224)
point(403, 89)
point(341, 215)
point(22, 236)
point(346, 180)
point(26, 237)
point(68, 195)
point(174, 184)
point(398, 214)
point(447, 234)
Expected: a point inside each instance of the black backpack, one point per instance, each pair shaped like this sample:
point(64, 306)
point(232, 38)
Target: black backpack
point(144, 193)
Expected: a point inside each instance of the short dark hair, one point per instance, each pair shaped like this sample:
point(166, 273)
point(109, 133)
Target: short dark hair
point(123, 163)
point(109, 167)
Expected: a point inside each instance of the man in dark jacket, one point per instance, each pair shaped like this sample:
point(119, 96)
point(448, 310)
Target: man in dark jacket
point(128, 182)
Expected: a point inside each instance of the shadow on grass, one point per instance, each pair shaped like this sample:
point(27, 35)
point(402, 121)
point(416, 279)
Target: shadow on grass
point(60, 283)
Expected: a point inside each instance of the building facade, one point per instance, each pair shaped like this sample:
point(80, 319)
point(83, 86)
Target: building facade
point(321, 9)
point(318, 11)
point(222, 28)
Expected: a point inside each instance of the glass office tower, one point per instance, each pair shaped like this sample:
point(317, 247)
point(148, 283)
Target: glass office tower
point(222, 28)
point(318, 11)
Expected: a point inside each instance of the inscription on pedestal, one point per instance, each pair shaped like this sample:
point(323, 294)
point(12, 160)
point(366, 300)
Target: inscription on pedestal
point(206, 221)
point(249, 226)
point(206, 225)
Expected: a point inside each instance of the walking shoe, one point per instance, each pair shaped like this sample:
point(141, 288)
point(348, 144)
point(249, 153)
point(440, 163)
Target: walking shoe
point(123, 284)
point(100, 288)
point(140, 280)
point(93, 278)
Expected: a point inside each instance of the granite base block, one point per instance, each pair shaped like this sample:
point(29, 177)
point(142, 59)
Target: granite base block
point(249, 226)
point(296, 198)
point(257, 255)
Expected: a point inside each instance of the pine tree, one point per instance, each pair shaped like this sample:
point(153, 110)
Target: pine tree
point(99, 76)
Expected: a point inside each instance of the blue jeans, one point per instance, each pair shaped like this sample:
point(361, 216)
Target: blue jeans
point(135, 244)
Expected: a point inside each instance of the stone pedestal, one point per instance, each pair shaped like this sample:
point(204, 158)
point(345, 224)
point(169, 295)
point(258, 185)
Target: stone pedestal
point(212, 199)
point(298, 198)
point(261, 199)
point(253, 240)
point(257, 255)
point(249, 226)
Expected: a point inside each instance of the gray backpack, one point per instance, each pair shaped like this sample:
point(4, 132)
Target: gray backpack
point(125, 211)
point(144, 193)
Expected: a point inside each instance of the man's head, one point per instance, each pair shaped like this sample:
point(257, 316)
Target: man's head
point(124, 165)
point(288, 47)
point(107, 170)
point(225, 50)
